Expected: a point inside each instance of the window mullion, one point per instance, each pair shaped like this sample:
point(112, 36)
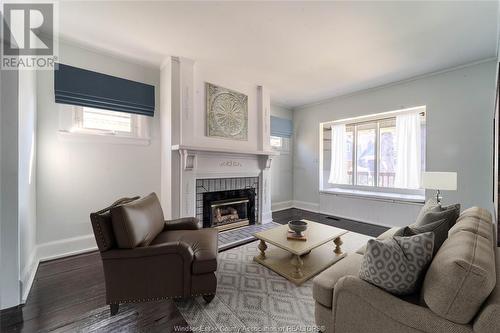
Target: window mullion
point(377, 154)
point(354, 155)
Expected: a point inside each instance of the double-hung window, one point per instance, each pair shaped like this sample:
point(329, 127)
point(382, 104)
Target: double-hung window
point(380, 152)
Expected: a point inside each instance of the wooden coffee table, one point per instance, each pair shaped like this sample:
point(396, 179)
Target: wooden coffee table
point(296, 260)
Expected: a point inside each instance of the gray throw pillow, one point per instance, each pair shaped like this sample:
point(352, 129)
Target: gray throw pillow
point(439, 228)
point(431, 213)
point(397, 264)
point(430, 205)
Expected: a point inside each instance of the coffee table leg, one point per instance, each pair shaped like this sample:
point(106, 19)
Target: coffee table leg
point(338, 242)
point(262, 247)
point(297, 262)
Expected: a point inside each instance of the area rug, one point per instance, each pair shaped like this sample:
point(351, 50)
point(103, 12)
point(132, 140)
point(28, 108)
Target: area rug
point(252, 298)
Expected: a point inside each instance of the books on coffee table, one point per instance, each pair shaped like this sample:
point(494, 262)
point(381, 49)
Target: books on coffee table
point(292, 235)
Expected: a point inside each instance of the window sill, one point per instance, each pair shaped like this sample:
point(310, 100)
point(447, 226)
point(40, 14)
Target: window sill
point(102, 138)
point(385, 196)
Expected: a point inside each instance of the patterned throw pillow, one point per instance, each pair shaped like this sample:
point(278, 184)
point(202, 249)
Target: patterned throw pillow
point(397, 264)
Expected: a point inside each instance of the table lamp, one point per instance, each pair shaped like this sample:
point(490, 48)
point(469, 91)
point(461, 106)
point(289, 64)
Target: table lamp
point(439, 181)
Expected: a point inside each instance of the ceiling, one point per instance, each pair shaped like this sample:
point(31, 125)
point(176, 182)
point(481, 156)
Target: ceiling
point(302, 51)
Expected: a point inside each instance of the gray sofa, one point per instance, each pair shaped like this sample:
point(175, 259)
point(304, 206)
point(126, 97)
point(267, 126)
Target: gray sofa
point(460, 291)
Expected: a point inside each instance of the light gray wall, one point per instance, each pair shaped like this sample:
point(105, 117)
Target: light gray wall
point(282, 169)
point(9, 203)
point(76, 178)
point(27, 173)
point(460, 108)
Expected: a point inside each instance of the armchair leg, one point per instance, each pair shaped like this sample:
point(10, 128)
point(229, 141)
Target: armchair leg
point(208, 298)
point(114, 308)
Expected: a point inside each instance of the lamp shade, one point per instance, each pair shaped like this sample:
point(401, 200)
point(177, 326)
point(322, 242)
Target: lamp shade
point(439, 180)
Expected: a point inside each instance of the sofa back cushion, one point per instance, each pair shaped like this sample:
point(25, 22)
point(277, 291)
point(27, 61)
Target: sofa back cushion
point(137, 223)
point(462, 274)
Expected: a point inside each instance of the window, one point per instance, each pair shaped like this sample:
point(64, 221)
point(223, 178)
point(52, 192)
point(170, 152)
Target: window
point(103, 120)
point(92, 121)
point(375, 152)
point(276, 142)
point(281, 144)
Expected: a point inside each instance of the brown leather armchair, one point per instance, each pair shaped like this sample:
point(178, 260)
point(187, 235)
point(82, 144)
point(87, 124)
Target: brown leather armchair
point(146, 258)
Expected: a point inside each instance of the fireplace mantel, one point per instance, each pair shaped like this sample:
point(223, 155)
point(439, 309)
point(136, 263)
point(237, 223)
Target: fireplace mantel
point(225, 150)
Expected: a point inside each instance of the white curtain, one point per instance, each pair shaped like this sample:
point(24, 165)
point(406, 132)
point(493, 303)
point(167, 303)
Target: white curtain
point(408, 165)
point(338, 167)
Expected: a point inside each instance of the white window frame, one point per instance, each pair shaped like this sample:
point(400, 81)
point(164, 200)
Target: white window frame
point(71, 127)
point(285, 144)
point(365, 190)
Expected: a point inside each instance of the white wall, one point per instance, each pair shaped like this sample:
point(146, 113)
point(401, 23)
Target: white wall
point(460, 108)
point(76, 178)
point(27, 175)
point(221, 77)
point(9, 209)
point(282, 169)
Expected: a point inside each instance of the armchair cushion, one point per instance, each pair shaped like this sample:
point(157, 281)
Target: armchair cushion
point(203, 243)
point(102, 225)
point(138, 222)
point(185, 223)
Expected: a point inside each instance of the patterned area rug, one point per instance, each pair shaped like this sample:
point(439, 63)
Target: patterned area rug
point(252, 298)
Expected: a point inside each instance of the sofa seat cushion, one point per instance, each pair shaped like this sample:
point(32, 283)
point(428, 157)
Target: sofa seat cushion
point(323, 283)
point(462, 275)
point(138, 222)
point(203, 242)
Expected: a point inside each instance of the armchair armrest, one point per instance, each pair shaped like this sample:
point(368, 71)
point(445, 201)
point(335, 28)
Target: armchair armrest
point(185, 223)
point(180, 248)
point(380, 311)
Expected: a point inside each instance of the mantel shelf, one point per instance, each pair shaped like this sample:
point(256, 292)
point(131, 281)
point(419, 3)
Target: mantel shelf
point(226, 150)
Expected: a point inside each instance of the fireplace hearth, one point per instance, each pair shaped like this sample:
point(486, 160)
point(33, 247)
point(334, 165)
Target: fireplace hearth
point(230, 209)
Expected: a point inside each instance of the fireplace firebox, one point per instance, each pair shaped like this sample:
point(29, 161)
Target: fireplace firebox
point(226, 210)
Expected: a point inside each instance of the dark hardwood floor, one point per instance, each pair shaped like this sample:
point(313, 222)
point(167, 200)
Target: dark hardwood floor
point(286, 215)
point(68, 294)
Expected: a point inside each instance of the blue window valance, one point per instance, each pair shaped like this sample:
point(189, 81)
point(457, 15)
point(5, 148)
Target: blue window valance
point(82, 87)
point(281, 127)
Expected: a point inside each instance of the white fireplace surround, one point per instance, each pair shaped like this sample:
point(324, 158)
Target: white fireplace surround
point(188, 153)
point(202, 163)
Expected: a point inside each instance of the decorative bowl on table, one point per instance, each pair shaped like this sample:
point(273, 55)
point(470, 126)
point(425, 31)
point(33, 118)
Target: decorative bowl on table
point(297, 226)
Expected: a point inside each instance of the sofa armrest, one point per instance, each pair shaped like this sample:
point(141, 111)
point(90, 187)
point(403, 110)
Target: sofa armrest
point(185, 223)
point(381, 311)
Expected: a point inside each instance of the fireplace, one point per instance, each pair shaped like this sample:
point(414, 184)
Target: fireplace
point(229, 209)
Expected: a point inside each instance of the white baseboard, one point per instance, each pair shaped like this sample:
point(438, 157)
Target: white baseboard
point(53, 250)
point(281, 205)
point(66, 247)
point(309, 206)
point(28, 275)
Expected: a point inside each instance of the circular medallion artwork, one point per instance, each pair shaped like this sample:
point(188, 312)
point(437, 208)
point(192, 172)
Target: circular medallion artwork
point(227, 113)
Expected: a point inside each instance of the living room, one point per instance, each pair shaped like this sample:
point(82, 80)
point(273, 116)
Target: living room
point(239, 166)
